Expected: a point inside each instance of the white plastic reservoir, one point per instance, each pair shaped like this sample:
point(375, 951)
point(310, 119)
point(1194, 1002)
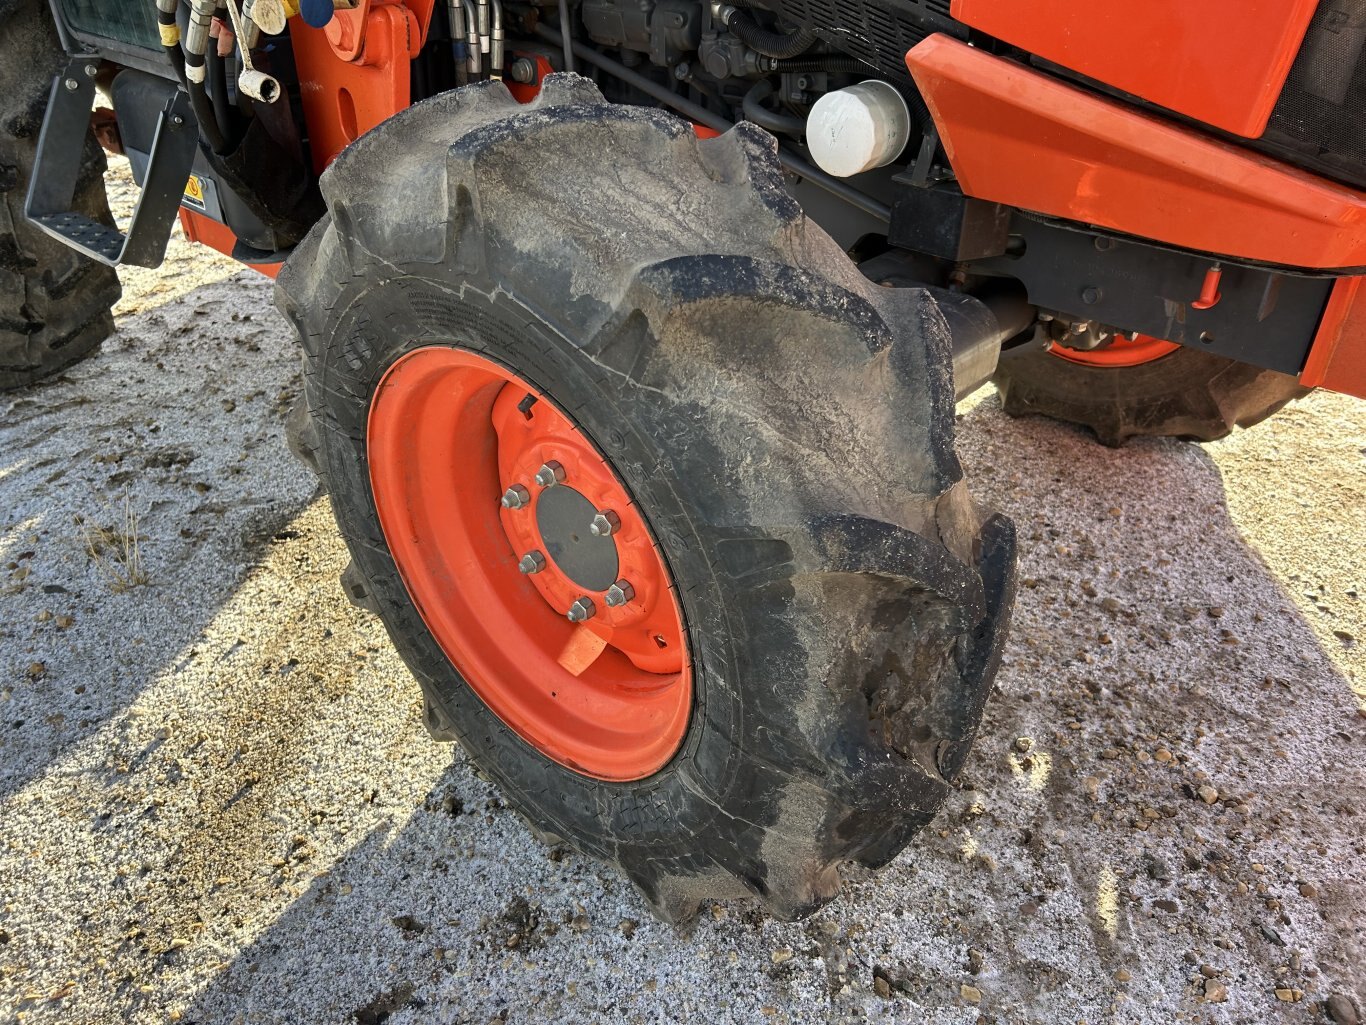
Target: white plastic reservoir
point(859, 128)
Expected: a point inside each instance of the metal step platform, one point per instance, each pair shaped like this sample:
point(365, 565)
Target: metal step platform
point(61, 144)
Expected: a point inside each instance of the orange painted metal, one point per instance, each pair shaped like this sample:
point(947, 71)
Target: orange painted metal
point(1122, 352)
point(525, 92)
point(1337, 360)
point(449, 431)
point(1223, 62)
point(207, 231)
point(345, 96)
point(1019, 137)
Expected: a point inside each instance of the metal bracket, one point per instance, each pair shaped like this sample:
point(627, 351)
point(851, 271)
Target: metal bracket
point(61, 147)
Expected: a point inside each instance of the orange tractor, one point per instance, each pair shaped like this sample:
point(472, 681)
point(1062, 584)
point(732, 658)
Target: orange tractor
point(632, 332)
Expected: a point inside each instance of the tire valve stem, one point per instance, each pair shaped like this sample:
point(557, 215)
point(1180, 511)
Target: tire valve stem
point(516, 497)
point(532, 562)
point(582, 609)
point(620, 593)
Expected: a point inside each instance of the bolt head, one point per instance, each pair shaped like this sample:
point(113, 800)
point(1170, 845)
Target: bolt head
point(550, 474)
point(620, 593)
point(532, 562)
point(72, 84)
point(516, 497)
point(1090, 295)
point(91, 71)
point(582, 609)
point(605, 524)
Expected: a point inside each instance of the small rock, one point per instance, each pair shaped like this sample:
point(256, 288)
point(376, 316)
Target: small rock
point(1123, 975)
point(1342, 1010)
point(627, 927)
point(1169, 906)
point(65, 622)
point(782, 955)
point(1308, 891)
point(1208, 794)
point(1288, 996)
point(1156, 868)
point(1023, 744)
point(1209, 971)
point(1215, 991)
point(971, 994)
point(1162, 754)
point(37, 670)
point(881, 987)
point(976, 961)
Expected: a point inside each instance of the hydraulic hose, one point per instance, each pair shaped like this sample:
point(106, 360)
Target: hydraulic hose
point(217, 82)
point(753, 105)
point(460, 53)
point(771, 44)
point(475, 66)
point(199, 101)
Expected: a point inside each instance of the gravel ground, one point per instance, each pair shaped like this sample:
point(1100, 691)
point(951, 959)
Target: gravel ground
point(217, 803)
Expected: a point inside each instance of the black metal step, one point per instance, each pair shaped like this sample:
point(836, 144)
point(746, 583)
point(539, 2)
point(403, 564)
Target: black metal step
point(61, 145)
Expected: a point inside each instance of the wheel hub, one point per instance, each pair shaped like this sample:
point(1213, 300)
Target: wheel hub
point(563, 519)
point(530, 563)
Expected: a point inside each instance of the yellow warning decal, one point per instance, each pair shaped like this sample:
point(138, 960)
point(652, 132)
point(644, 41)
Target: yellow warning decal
point(194, 191)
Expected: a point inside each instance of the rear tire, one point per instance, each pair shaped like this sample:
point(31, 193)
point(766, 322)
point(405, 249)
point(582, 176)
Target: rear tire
point(790, 450)
point(1186, 394)
point(54, 303)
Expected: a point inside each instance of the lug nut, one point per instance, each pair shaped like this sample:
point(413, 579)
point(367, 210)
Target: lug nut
point(581, 610)
point(620, 593)
point(516, 497)
point(532, 562)
point(550, 474)
point(605, 524)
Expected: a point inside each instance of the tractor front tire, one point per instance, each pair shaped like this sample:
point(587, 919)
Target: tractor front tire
point(1186, 393)
point(54, 303)
point(656, 313)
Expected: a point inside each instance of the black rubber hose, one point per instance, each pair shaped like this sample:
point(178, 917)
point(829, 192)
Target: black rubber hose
point(567, 35)
point(216, 76)
point(753, 106)
point(770, 44)
point(835, 64)
point(700, 114)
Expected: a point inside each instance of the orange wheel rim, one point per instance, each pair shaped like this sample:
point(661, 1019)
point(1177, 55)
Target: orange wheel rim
point(1122, 352)
point(480, 483)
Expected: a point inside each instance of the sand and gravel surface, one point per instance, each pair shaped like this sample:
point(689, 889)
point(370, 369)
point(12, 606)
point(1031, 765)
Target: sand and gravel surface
point(217, 803)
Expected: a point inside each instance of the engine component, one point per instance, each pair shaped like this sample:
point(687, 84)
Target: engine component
point(859, 128)
point(667, 30)
point(727, 56)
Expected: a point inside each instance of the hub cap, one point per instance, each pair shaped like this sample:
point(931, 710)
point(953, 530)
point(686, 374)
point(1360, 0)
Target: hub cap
point(450, 435)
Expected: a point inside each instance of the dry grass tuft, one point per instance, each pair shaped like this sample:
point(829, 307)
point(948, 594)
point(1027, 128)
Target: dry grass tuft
point(116, 551)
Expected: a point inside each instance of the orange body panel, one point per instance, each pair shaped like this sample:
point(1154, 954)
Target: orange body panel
point(1019, 137)
point(207, 231)
point(1337, 360)
point(343, 98)
point(1223, 62)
